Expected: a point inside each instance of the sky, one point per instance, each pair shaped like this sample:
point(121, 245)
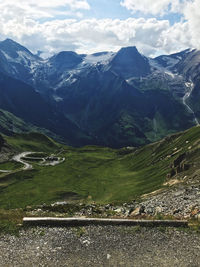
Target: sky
point(87, 26)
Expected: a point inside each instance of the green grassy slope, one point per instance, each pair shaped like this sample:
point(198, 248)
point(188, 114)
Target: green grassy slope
point(10, 124)
point(94, 173)
point(32, 142)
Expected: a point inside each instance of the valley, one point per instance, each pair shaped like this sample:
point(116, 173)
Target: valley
point(159, 179)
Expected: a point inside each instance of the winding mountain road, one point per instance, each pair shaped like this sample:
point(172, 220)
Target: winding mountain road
point(28, 166)
point(18, 158)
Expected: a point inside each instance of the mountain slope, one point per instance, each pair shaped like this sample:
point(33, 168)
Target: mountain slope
point(19, 62)
point(6, 151)
point(119, 114)
point(24, 102)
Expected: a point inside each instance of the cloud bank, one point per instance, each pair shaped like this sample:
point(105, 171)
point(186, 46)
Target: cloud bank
point(39, 26)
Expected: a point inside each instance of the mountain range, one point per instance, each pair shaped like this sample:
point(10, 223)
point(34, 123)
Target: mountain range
point(109, 99)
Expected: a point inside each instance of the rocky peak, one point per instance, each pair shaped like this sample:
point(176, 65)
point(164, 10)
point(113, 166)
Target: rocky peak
point(128, 62)
point(67, 59)
point(11, 48)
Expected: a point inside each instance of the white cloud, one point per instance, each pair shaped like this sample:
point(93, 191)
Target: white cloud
point(87, 35)
point(154, 7)
point(185, 33)
point(146, 6)
point(75, 4)
point(176, 38)
point(191, 13)
point(40, 9)
point(21, 21)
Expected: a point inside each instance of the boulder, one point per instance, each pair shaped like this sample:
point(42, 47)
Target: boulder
point(138, 211)
point(158, 210)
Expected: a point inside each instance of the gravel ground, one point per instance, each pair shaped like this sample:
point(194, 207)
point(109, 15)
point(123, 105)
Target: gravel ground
point(179, 201)
point(101, 246)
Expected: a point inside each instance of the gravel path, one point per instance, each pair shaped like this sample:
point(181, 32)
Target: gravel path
point(101, 246)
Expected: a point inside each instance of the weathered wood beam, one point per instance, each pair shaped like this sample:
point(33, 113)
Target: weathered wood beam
point(51, 221)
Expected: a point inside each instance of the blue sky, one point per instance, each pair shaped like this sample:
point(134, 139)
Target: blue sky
point(107, 9)
point(102, 9)
point(87, 26)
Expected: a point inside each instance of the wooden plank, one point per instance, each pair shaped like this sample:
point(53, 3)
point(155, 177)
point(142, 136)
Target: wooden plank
point(51, 221)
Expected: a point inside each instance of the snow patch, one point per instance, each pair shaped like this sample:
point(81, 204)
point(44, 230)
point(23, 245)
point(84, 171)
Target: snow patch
point(7, 56)
point(102, 58)
point(165, 70)
point(153, 63)
point(170, 74)
point(57, 98)
point(28, 60)
point(67, 79)
point(170, 61)
point(71, 79)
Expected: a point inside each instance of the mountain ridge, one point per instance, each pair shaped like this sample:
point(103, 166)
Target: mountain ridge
point(117, 99)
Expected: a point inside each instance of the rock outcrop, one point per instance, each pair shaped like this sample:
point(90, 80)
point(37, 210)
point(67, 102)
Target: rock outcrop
point(2, 142)
point(179, 165)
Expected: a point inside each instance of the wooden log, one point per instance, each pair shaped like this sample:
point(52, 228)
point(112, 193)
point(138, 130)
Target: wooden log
point(51, 221)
